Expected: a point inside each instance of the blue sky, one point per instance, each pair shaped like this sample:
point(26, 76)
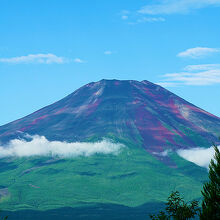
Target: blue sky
point(49, 48)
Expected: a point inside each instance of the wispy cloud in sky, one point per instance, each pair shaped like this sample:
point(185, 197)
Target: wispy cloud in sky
point(177, 6)
point(35, 58)
point(124, 14)
point(108, 52)
point(150, 19)
point(40, 146)
point(78, 60)
point(202, 67)
point(167, 84)
point(198, 52)
point(205, 74)
point(166, 7)
point(124, 17)
point(137, 18)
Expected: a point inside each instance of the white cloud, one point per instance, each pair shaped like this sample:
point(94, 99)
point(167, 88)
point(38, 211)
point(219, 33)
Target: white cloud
point(167, 84)
point(35, 58)
point(206, 74)
point(177, 6)
point(199, 156)
point(202, 67)
point(40, 146)
point(150, 19)
point(163, 153)
point(124, 14)
point(198, 52)
point(108, 52)
point(136, 18)
point(146, 20)
point(124, 17)
point(78, 60)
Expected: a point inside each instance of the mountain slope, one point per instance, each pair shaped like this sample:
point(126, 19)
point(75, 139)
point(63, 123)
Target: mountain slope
point(140, 111)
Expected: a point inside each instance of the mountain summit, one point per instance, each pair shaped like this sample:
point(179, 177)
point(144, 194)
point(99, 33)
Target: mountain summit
point(141, 112)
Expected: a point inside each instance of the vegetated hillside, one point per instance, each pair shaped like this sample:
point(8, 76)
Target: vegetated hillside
point(131, 182)
point(145, 117)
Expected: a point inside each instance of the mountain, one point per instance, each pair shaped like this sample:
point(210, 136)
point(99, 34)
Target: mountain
point(143, 112)
point(145, 117)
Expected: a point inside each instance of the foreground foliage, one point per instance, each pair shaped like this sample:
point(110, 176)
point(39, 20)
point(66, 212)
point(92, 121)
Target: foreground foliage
point(176, 208)
point(211, 190)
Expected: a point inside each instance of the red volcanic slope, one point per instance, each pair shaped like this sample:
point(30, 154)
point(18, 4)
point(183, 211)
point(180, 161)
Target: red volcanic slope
point(141, 112)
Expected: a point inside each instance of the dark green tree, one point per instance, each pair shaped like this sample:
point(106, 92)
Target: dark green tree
point(211, 190)
point(177, 209)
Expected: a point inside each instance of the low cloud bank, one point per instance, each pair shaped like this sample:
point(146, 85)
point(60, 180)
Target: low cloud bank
point(40, 146)
point(199, 156)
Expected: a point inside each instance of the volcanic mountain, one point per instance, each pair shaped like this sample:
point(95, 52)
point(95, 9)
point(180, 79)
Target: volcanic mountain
point(146, 119)
point(142, 112)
